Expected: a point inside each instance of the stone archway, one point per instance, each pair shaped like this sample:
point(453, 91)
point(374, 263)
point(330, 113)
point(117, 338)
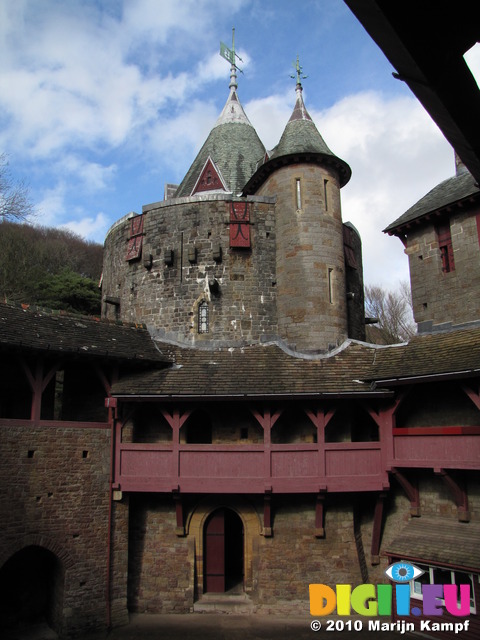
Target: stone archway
point(248, 519)
point(31, 589)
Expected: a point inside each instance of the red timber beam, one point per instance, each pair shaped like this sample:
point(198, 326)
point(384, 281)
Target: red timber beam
point(411, 489)
point(267, 419)
point(38, 381)
point(377, 527)
point(473, 394)
point(459, 492)
point(176, 419)
point(384, 418)
point(320, 418)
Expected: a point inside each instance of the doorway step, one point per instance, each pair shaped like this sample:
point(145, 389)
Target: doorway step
point(224, 603)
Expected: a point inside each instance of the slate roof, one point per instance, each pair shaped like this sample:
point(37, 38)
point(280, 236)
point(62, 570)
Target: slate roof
point(430, 354)
point(300, 140)
point(265, 370)
point(58, 333)
point(449, 191)
point(252, 371)
point(233, 145)
point(434, 540)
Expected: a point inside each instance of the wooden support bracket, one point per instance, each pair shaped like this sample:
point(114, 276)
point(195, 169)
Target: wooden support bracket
point(180, 528)
point(411, 490)
point(377, 527)
point(320, 516)
point(459, 492)
point(267, 514)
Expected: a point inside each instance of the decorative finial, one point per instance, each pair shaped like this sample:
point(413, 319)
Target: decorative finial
point(299, 72)
point(230, 55)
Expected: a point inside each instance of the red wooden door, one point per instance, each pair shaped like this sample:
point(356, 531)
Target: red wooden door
point(215, 552)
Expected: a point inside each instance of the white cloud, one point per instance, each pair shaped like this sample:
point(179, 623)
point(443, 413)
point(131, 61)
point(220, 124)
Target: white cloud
point(90, 228)
point(397, 155)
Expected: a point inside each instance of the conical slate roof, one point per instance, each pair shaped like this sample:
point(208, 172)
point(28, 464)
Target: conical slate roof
point(233, 145)
point(300, 135)
point(300, 141)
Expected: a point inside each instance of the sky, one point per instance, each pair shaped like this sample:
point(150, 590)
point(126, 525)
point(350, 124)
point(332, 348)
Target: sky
point(102, 102)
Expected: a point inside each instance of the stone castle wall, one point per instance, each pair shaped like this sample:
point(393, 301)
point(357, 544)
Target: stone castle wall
point(239, 284)
point(58, 501)
point(310, 258)
point(436, 295)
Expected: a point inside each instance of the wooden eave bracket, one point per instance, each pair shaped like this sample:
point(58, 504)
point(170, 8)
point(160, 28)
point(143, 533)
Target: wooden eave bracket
point(474, 395)
point(459, 492)
point(411, 489)
point(320, 515)
point(180, 524)
point(267, 514)
point(377, 527)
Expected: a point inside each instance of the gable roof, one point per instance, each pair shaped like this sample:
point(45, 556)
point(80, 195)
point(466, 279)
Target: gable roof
point(24, 328)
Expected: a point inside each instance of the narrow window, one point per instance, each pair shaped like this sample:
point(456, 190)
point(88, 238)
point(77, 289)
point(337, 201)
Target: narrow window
point(203, 317)
point(298, 193)
point(325, 195)
point(330, 285)
point(445, 245)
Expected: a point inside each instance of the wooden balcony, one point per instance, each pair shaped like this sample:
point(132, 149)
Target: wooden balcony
point(232, 468)
point(436, 447)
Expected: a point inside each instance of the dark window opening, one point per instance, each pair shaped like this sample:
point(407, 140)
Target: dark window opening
point(444, 237)
point(198, 428)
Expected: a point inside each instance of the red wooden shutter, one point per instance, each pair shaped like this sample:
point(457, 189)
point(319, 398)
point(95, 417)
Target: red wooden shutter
point(445, 245)
point(135, 240)
point(239, 224)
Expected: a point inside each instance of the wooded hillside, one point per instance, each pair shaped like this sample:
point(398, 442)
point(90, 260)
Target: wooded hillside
point(53, 268)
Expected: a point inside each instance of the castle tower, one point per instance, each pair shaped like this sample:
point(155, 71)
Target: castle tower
point(306, 177)
point(250, 248)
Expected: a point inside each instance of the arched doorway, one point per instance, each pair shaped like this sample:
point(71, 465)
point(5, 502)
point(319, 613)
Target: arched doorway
point(31, 589)
point(223, 552)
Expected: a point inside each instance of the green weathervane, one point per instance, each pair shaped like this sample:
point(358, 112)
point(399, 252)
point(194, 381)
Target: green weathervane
point(229, 54)
point(299, 72)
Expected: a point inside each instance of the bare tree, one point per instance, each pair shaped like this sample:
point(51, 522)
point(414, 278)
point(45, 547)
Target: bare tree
point(393, 309)
point(15, 203)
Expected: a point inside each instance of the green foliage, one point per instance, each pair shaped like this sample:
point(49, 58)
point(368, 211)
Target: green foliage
point(69, 291)
point(31, 256)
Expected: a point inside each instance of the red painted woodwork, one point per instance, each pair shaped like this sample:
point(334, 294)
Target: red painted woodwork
point(449, 451)
point(436, 431)
point(135, 240)
point(292, 468)
point(214, 561)
point(239, 224)
point(209, 179)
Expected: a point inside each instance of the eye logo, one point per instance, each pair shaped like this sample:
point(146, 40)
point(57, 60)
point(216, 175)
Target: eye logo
point(403, 572)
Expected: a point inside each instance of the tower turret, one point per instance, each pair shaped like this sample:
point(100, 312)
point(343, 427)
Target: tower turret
point(306, 177)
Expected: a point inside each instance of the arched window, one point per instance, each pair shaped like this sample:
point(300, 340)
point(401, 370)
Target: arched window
point(203, 317)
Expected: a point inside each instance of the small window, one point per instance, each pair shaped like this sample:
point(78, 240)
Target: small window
point(325, 194)
point(444, 236)
point(203, 317)
point(330, 285)
point(441, 575)
point(298, 193)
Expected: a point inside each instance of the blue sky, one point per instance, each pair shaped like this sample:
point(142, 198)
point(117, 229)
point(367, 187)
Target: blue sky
point(103, 102)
